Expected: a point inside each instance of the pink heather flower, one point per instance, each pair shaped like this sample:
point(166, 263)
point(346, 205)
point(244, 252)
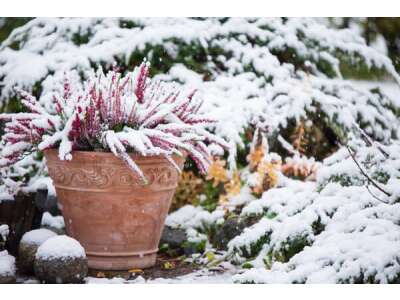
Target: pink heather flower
point(122, 114)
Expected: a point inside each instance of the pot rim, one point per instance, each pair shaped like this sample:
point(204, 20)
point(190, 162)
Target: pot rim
point(134, 155)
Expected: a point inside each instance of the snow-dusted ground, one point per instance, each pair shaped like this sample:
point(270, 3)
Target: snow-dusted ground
point(201, 276)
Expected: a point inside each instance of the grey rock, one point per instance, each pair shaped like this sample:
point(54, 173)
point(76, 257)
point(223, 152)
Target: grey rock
point(174, 237)
point(61, 269)
point(26, 257)
point(226, 232)
point(28, 246)
point(7, 273)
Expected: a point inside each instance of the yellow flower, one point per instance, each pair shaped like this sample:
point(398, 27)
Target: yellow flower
point(255, 156)
point(232, 188)
point(267, 177)
point(217, 172)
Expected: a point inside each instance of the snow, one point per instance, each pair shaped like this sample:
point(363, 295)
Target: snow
point(261, 89)
point(7, 264)
point(190, 216)
point(53, 222)
point(37, 236)
point(4, 231)
point(162, 119)
point(391, 89)
point(345, 235)
point(332, 230)
point(60, 246)
point(203, 276)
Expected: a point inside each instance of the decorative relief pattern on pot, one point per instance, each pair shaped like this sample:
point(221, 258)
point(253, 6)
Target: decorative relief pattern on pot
point(103, 177)
point(98, 177)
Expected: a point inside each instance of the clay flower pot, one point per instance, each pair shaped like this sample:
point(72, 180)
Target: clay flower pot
point(116, 218)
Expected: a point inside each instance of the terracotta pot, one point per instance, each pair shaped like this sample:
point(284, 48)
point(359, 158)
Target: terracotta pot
point(116, 218)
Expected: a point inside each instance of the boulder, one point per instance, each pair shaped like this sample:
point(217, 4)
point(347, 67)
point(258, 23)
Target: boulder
point(61, 259)
point(227, 231)
point(28, 246)
point(174, 237)
point(7, 268)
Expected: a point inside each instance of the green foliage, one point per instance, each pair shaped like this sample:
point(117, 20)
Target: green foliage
point(10, 23)
point(194, 247)
point(372, 29)
point(250, 251)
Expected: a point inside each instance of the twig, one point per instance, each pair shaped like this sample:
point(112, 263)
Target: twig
point(376, 197)
point(369, 141)
point(370, 180)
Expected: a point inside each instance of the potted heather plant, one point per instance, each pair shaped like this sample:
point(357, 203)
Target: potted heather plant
point(114, 147)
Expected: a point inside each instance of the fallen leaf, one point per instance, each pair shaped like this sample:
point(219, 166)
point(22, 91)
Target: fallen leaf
point(169, 265)
point(210, 256)
point(135, 271)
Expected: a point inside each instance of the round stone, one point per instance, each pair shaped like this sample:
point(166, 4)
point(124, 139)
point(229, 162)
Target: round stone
point(28, 246)
point(7, 268)
point(61, 259)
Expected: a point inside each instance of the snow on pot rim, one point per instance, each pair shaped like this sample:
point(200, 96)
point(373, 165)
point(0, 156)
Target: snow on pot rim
point(61, 246)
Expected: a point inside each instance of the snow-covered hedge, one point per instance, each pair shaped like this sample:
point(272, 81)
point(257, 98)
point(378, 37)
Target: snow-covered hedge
point(337, 229)
point(273, 71)
point(270, 73)
point(281, 77)
point(340, 235)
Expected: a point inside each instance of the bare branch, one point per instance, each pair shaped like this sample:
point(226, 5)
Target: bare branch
point(373, 195)
point(369, 141)
point(370, 180)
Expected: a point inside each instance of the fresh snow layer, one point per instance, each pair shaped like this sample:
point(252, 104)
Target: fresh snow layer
point(260, 89)
point(190, 216)
point(60, 246)
point(203, 276)
point(4, 231)
point(51, 221)
point(37, 236)
point(359, 242)
point(7, 264)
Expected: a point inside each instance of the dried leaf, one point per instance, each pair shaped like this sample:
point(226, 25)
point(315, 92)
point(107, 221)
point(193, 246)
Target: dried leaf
point(135, 271)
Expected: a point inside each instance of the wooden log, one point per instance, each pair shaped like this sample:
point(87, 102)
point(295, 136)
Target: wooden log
point(21, 215)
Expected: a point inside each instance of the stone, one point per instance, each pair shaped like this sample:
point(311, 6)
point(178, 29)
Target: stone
point(28, 246)
point(7, 268)
point(61, 259)
point(226, 232)
point(174, 237)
